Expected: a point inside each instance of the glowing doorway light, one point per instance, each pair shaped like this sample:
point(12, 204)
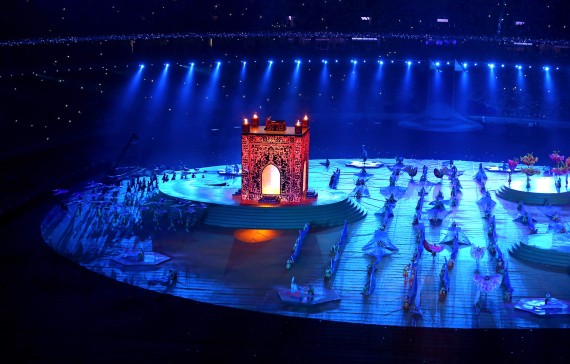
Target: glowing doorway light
point(270, 180)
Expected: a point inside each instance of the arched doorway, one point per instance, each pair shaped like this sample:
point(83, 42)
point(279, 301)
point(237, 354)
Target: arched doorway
point(270, 180)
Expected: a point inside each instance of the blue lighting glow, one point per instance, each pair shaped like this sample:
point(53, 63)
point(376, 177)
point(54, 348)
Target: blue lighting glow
point(491, 65)
point(409, 63)
point(126, 100)
point(184, 104)
point(546, 68)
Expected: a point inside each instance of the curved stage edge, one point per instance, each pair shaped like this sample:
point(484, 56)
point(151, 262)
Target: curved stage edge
point(331, 207)
point(540, 189)
point(244, 267)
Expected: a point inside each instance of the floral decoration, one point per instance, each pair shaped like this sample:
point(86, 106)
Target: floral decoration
point(556, 158)
point(529, 159)
point(513, 163)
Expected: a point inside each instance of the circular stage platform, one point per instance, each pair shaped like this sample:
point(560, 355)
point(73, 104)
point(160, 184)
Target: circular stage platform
point(542, 189)
point(330, 208)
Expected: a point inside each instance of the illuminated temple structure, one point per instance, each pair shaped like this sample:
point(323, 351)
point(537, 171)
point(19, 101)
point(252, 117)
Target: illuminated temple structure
point(275, 160)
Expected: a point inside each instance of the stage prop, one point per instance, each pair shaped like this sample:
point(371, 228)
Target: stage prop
point(140, 258)
point(275, 161)
point(544, 306)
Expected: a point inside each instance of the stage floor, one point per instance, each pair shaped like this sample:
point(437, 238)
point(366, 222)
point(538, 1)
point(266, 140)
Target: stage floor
point(245, 269)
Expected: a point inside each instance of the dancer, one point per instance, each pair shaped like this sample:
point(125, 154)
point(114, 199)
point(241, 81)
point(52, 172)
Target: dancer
point(438, 212)
point(480, 176)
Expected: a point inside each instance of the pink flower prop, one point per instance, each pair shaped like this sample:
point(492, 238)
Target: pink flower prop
point(556, 158)
point(513, 163)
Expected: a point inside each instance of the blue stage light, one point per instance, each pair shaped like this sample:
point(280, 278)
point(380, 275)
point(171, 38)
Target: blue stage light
point(502, 66)
point(192, 64)
point(166, 65)
point(546, 68)
point(141, 65)
point(491, 65)
point(437, 64)
point(324, 61)
point(336, 61)
point(270, 62)
point(409, 63)
point(519, 67)
point(465, 65)
point(298, 61)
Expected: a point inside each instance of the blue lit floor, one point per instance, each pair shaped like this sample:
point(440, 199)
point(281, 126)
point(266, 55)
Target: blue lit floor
point(231, 268)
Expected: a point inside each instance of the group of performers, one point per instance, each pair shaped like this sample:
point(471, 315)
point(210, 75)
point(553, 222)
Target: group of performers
point(126, 208)
point(439, 209)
